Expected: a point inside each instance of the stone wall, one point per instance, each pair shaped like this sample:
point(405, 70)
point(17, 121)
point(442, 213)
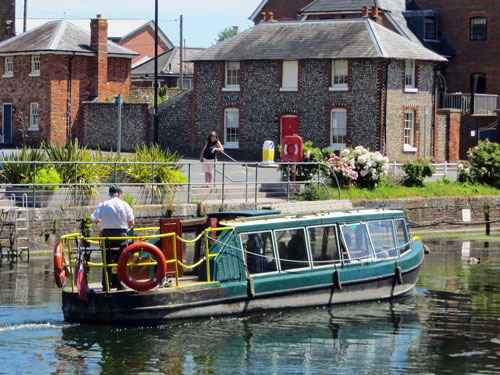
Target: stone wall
point(398, 101)
point(261, 104)
point(433, 214)
point(173, 123)
point(100, 125)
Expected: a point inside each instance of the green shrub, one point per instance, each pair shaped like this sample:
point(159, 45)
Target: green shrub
point(129, 198)
point(416, 172)
point(484, 164)
point(45, 176)
point(14, 173)
point(313, 192)
point(310, 154)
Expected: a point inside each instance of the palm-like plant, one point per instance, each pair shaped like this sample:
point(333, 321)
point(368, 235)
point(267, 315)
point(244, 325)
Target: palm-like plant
point(85, 172)
point(163, 173)
point(15, 173)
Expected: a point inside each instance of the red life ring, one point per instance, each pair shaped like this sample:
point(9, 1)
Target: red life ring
point(292, 150)
point(58, 257)
point(161, 266)
point(60, 277)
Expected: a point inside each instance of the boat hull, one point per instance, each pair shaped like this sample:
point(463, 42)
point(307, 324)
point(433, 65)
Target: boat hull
point(163, 304)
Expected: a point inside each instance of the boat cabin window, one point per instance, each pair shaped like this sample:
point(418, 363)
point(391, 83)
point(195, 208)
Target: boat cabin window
point(357, 241)
point(383, 238)
point(292, 248)
point(324, 245)
point(259, 252)
point(403, 236)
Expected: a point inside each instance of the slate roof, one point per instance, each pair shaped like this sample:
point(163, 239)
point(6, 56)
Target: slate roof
point(328, 39)
point(58, 37)
point(168, 63)
point(325, 6)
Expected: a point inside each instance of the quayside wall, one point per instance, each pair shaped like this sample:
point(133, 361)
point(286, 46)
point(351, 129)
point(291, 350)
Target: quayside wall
point(433, 214)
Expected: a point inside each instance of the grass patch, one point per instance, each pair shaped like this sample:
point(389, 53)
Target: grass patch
point(429, 190)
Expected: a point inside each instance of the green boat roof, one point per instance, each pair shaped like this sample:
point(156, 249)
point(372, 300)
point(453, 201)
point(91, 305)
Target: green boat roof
point(310, 218)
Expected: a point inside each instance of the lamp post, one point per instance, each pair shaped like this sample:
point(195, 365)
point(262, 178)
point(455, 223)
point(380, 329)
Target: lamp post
point(155, 115)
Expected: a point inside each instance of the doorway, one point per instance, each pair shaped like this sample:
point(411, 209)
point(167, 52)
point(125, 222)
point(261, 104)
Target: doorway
point(6, 133)
point(289, 125)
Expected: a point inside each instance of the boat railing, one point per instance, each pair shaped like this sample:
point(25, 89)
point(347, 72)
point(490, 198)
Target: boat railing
point(100, 245)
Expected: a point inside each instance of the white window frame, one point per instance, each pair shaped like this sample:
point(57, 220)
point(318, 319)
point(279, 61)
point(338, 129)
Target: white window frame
point(231, 136)
point(410, 79)
point(9, 67)
point(35, 66)
point(290, 75)
point(232, 71)
point(409, 131)
point(340, 75)
point(34, 116)
point(335, 115)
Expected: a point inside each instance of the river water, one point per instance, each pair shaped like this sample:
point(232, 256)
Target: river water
point(449, 325)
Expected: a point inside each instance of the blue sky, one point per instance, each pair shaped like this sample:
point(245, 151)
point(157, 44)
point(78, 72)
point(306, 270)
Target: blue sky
point(202, 19)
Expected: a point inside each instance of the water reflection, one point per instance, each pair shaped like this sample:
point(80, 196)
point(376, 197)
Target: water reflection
point(449, 325)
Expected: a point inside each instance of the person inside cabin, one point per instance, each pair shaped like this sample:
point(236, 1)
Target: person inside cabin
point(255, 254)
point(296, 251)
point(114, 217)
point(207, 157)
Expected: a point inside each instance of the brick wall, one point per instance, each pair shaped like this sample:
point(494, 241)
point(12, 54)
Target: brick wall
point(100, 129)
point(284, 9)
point(143, 42)
point(7, 13)
point(479, 56)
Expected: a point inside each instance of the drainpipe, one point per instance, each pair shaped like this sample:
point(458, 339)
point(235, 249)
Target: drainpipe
point(69, 98)
point(384, 117)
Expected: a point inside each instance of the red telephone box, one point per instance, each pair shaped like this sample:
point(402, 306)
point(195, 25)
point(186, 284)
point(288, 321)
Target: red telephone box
point(291, 148)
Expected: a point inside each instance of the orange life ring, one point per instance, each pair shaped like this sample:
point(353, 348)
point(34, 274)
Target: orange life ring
point(58, 257)
point(60, 277)
point(161, 266)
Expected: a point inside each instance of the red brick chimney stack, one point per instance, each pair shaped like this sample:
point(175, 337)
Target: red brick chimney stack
point(99, 43)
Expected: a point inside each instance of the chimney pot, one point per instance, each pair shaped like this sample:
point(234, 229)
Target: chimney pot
point(364, 12)
point(264, 16)
point(271, 15)
point(375, 12)
point(99, 16)
point(235, 29)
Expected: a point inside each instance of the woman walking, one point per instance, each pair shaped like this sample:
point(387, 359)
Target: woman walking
point(207, 157)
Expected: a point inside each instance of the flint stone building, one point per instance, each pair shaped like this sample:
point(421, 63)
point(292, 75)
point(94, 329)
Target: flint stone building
point(338, 83)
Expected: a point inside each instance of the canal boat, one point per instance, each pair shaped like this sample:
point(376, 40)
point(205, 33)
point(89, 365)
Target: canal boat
point(247, 262)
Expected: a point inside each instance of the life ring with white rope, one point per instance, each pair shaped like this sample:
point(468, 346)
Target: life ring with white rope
point(155, 252)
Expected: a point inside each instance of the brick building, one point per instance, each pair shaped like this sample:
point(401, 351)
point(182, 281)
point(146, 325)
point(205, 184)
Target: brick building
point(7, 17)
point(338, 83)
point(47, 72)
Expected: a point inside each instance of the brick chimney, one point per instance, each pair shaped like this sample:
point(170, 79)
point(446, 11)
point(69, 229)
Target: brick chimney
point(99, 66)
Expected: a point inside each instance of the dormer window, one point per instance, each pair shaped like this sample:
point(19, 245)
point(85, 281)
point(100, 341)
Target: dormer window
point(430, 31)
point(232, 76)
point(35, 66)
point(9, 66)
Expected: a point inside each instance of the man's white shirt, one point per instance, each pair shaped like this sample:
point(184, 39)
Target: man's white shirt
point(114, 214)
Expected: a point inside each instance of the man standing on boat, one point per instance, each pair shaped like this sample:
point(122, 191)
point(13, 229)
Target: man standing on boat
point(114, 217)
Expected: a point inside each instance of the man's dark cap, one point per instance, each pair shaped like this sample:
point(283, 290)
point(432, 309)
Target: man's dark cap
point(114, 190)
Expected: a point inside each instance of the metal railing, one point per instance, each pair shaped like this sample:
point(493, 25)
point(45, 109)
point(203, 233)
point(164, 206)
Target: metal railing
point(477, 104)
point(253, 177)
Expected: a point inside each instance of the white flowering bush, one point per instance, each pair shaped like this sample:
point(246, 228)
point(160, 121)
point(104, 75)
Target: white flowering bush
point(370, 166)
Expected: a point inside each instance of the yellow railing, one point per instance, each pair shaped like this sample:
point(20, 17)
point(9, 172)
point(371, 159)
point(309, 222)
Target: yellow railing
point(66, 240)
